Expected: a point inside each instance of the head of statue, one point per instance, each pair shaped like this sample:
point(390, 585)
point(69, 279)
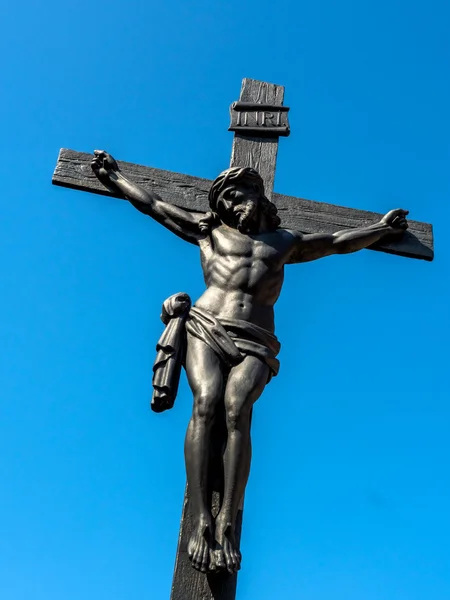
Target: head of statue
point(237, 199)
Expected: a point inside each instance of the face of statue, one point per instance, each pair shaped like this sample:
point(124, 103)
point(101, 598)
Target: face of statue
point(237, 206)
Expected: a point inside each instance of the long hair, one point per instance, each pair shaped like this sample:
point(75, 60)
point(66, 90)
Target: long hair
point(233, 175)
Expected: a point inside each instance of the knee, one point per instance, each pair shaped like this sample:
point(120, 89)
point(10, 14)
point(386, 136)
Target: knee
point(204, 406)
point(237, 414)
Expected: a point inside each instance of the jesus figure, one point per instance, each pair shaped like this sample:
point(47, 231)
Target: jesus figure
point(231, 345)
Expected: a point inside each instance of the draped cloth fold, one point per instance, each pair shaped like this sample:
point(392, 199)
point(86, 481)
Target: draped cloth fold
point(171, 351)
point(231, 339)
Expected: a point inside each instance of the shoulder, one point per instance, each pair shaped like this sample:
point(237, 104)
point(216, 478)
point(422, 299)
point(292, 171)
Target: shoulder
point(290, 236)
point(284, 240)
point(294, 243)
point(291, 233)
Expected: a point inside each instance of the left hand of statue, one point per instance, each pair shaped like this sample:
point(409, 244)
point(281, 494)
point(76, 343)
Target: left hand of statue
point(396, 220)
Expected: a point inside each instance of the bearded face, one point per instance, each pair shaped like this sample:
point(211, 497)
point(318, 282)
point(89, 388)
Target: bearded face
point(237, 206)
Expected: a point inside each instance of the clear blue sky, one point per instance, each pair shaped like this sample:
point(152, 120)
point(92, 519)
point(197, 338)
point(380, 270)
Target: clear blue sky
point(349, 493)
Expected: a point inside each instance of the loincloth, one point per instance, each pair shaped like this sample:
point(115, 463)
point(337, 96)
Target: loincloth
point(231, 339)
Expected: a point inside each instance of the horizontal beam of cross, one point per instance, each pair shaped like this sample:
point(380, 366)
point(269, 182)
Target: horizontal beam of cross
point(73, 171)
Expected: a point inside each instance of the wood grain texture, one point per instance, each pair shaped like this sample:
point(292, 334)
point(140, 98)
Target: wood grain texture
point(258, 152)
point(309, 216)
point(261, 154)
point(73, 170)
point(189, 584)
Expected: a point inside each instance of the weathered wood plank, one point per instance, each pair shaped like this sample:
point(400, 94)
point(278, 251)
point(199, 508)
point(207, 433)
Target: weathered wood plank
point(261, 154)
point(189, 584)
point(309, 216)
point(258, 152)
point(73, 170)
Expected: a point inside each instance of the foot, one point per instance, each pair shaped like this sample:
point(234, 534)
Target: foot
point(200, 544)
point(226, 552)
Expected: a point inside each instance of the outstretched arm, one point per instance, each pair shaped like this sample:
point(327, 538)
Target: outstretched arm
point(317, 245)
point(183, 223)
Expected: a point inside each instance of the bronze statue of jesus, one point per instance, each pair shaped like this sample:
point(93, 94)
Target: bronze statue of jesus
point(231, 345)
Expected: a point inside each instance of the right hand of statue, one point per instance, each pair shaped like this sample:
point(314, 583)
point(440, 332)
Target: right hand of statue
point(104, 165)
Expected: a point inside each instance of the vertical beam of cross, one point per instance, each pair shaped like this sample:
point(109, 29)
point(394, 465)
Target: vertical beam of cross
point(259, 153)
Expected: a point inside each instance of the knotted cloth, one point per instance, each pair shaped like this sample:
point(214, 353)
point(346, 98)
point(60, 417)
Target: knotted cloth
point(171, 351)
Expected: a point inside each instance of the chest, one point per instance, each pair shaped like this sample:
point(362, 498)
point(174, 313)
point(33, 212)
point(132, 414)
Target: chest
point(226, 242)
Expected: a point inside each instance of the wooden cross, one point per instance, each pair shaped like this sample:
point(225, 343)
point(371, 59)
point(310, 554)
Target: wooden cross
point(258, 118)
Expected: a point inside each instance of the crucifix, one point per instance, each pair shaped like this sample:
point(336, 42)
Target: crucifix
point(226, 340)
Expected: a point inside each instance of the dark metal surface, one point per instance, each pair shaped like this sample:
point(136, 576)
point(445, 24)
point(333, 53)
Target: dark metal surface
point(73, 170)
point(260, 154)
point(259, 119)
point(249, 106)
point(231, 347)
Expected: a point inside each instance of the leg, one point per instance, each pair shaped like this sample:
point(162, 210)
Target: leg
point(206, 381)
point(245, 384)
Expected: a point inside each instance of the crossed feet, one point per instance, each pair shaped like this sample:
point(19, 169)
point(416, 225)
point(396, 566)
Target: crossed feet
point(210, 551)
